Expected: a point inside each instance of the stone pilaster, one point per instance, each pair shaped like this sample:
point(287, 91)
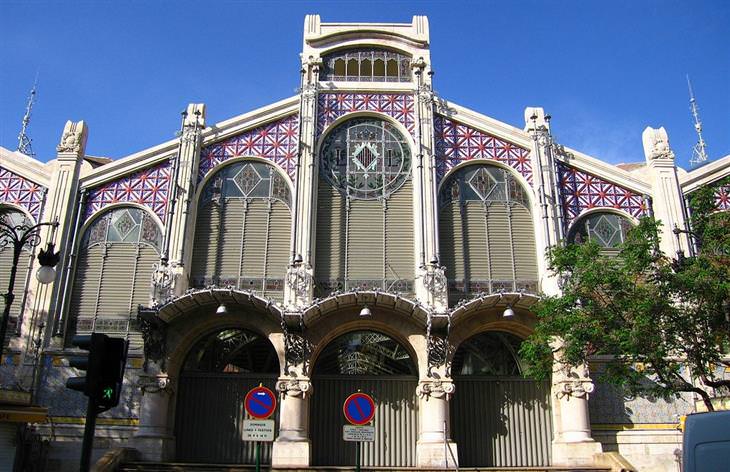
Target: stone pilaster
point(299, 289)
point(292, 447)
point(61, 206)
point(170, 276)
point(666, 195)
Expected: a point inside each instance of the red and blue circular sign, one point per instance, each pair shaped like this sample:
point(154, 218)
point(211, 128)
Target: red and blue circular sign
point(359, 408)
point(260, 402)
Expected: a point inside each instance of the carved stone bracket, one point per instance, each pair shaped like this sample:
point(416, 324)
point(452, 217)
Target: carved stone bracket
point(294, 387)
point(155, 384)
point(436, 389)
point(154, 334)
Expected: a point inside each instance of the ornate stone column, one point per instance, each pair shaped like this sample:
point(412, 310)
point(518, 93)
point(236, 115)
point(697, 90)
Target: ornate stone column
point(573, 444)
point(434, 423)
point(154, 440)
point(292, 447)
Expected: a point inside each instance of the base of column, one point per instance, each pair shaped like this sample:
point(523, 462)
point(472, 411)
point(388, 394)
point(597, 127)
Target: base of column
point(154, 448)
point(575, 453)
point(433, 455)
point(288, 454)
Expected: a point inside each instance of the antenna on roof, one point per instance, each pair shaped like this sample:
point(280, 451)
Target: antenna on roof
point(699, 151)
point(24, 142)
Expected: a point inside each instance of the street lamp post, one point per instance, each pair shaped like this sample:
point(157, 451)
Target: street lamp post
point(20, 236)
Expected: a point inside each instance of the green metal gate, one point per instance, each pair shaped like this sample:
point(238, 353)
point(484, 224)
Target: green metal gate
point(501, 422)
point(396, 420)
point(209, 418)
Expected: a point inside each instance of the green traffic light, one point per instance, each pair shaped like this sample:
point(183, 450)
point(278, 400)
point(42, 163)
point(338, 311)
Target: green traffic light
point(107, 393)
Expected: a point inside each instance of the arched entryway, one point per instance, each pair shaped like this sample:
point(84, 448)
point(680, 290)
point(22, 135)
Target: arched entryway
point(498, 417)
point(374, 363)
point(217, 373)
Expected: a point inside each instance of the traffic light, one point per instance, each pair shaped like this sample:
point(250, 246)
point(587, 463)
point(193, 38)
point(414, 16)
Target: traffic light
point(104, 366)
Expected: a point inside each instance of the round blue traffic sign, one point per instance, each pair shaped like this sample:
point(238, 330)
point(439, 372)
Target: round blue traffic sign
point(260, 402)
point(359, 408)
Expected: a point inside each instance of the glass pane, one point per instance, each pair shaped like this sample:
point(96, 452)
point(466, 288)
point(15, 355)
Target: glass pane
point(364, 353)
point(492, 353)
point(483, 183)
point(246, 180)
point(233, 351)
point(608, 230)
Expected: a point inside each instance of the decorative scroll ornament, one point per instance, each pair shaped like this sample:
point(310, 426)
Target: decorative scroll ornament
point(155, 384)
point(296, 349)
point(163, 278)
point(154, 334)
point(434, 279)
point(436, 389)
point(656, 144)
point(294, 387)
point(439, 350)
point(72, 140)
point(300, 281)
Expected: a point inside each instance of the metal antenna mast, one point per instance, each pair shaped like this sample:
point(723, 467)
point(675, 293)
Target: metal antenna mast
point(699, 151)
point(23, 139)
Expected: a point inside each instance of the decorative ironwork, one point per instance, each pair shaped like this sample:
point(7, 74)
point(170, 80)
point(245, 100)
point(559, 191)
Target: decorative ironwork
point(296, 347)
point(149, 187)
point(399, 106)
point(154, 335)
point(457, 143)
point(276, 141)
point(366, 65)
point(21, 192)
point(581, 191)
point(438, 347)
point(365, 159)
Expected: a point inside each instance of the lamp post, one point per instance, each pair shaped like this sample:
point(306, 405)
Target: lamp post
point(20, 236)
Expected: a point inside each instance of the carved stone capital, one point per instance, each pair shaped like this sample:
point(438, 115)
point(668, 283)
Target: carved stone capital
point(155, 384)
point(294, 387)
point(436, 389)
point(581, 388)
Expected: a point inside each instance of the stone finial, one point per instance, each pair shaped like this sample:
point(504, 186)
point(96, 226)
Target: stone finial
point(195, 111)
point(73, 140)
point(534, 118)
point(656, 144)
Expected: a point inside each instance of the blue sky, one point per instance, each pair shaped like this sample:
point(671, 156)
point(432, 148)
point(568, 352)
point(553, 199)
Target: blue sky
point(603, 70)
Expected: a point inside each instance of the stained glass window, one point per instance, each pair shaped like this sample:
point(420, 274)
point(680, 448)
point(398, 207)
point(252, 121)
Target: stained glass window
point(124, 225)
point(365, 158)
point(248, 180)
point(608, 230)
point(483, 183)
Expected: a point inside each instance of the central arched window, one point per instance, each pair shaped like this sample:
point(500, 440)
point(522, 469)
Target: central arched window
point(606, 229)
point(364, 353)
point(493, 354)
point(486, 232)
point(243, 230)
point(364, 209)
point(116, 258)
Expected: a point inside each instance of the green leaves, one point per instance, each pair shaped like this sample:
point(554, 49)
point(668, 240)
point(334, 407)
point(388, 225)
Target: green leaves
point(642, 314)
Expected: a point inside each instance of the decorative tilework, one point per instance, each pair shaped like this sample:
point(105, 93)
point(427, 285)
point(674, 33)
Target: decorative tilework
point(456, 143)
point(399, 106)
point(21, 192)
point(275, 141)
point(581, 191)
point(722, 198)
point(148, 187)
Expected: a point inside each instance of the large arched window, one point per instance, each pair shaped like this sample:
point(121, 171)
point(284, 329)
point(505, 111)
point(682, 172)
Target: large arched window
point(606, 229)
point(364, 209)
point(243, 230)
point(491, 354)
point(366, 65)
point(113, 273)
point(14, 218)
point(486, 232)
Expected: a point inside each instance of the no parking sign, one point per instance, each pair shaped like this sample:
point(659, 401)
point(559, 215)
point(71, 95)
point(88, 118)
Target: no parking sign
point(359, 408)
point(260, 402)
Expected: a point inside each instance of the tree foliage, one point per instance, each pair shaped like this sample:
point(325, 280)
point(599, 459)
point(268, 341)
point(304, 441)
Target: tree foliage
point(660, 321)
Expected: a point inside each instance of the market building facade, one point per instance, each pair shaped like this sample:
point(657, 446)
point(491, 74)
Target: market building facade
point(365, 234)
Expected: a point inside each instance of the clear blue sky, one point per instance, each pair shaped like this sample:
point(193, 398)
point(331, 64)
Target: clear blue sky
point(604, 70)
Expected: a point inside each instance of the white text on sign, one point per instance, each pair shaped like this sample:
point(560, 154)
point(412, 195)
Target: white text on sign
point(258, 430)
point(358, 433)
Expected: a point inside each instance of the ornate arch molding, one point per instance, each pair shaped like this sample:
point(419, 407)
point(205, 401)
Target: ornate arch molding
point(519, 302)
point(397, 304)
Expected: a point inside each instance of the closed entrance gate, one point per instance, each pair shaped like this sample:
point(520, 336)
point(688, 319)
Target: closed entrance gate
point(498, 418)
point(377, 365)
point(217, 374)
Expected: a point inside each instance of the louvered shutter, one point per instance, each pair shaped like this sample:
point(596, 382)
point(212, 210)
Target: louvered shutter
point(277, 253)
point(399, 234)
point(523, 236)
point(234, 222)
point(86, 284)
point(206, 244)
point(365, 257)
point(254, 245)
point(19, 286)
point(451, 240)
point(330, 245)
point(476, 251)
point(500, 246)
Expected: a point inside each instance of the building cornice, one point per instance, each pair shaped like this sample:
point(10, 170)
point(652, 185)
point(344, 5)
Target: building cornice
point(705, 175)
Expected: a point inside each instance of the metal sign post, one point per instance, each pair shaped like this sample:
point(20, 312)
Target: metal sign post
point(260, 403)
point(359, 410)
